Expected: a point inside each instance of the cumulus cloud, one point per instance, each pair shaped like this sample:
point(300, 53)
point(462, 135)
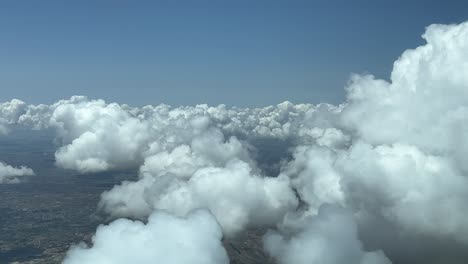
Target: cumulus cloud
point(97, 136)
point(404, 162)
point(164, 239)
point(207, 174)
point(413, 189)
point(426, 102)
point(9, 114)
point(10, 174)
point(408, 187)
point(417, 123)
point(330, 237)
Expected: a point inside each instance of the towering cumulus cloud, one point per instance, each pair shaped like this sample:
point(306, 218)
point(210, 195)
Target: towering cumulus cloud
point(372, 180)
point(405, 165)
point(413, 135)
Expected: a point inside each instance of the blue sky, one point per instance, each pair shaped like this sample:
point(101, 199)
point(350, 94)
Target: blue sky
point(245, 53)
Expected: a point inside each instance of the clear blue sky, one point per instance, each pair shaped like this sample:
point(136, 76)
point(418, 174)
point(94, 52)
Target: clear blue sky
point(246, 53)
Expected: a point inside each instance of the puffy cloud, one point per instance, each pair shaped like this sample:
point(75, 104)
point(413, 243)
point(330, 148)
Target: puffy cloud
point(400, 182)
point(330, 237)
point(409, 187)
point(208, 174)
point(164, 239)
point(235, 196)
point(401, 159)
point(415, 172)
point(10, 174)
point(165, 165)
point(98, 136)
point(9, 114)
point(314, 176)
point(426, 102)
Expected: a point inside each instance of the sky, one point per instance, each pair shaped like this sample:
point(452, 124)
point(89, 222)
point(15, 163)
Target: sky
point(243, 53)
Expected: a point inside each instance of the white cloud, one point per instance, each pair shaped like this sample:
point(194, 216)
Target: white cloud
point(208, 176)
point(413, 189)
point(10, 174)
point(405, 160)
point(314, 176)
point(9, 113)
point(164, 239)
point(98, 136)
point(426, 102)
point(328, 238)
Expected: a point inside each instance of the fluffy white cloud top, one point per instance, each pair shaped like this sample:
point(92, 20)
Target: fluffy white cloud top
point(164, 239)
point(208, 174)
point(9, 114)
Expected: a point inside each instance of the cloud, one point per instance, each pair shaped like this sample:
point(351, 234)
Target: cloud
point(426, 102)
point(164, 239)
point(403, 164)
point(10, 174)
point(9, 113)
point(208, 174)
point(330, 237)
point(412, 135)
point(413, 189)
point(97, 136)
